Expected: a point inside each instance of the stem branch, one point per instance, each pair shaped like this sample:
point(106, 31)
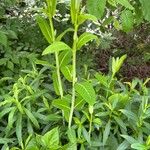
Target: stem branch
point(74, 80)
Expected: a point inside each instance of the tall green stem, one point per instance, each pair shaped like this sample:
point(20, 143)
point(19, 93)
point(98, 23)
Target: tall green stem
point(57, 60)
point(90, 128)
point(74, 79)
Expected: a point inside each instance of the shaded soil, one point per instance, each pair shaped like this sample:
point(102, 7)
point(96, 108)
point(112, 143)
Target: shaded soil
point(135, 45)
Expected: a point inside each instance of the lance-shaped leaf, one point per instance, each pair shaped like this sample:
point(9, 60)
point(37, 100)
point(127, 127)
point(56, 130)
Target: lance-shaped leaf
point(125, 3)
point(96, 7)
point(106, 132)
point(64, 58)
point(75, 8)
point(139, 146)
point(64, 105)
point(32, 118)
point(84, 38)
point(84, 17)
point(56, 47)
point(67, 72)
point(127, 19)
point(19, 128)
point(63, 33)
point(86, 91)
point(51, 4)
point(117, 63)
point(55, 83)
point(45, 28)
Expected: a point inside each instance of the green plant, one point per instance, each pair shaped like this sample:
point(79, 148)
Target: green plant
point(97, 111)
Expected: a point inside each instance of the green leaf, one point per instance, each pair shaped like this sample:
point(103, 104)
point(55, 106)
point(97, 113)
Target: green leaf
point(44, 63)
point(51, 4)
point(51, 139)
point(130, 139)
point(138, 146)
point(12, 34)
point(96, 7)
point(67, 72)
point(64, 58)
point(145, 9)
point(84, 17)
point(86, 90)
point(117, 63)
point(84, 38)
point(71, 135)
point(75, 8)
point(5, 140)
point(55, 82)
point(3, 61)
point(123, 146)
point(79, 103)
point(56, 47)
point(5, 111)
point(120, 123)
point(45, 28)
point(112, 2)
point(64, 105)
point(129, 114)
point(127, 19)
point(117, 24)
point(86, 135)
point(11, 118)
point(10, 65)
point(32, 118)
point(19, 128)
point(63, 33)
point(125, 3)
point(106, 132)
point(3, 39)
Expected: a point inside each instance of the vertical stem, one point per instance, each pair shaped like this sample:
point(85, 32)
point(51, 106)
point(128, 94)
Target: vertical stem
point(58, 75)
point(75, 38)
point(90, 128)
point(57, 60)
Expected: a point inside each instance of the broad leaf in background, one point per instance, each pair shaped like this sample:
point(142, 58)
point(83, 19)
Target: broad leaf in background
point(145, 9)
point(112, 2)
point(84, 38)
point(86, 90)
point(3, 39)
point(56, 47)
point(127, 20)
point(84, 17)
point(45, 28)
point(125, 3)
point(96, 7)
